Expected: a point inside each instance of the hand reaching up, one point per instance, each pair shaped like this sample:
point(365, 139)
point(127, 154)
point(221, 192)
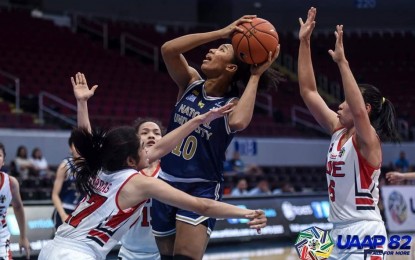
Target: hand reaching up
point(338, 53)
point(81, 89)
point(229, 30)
point(307, 28)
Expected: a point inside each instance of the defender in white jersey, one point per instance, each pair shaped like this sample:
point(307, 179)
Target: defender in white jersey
point(355, 156)
point(9, 194)
point(89, 232)
point(139, 241)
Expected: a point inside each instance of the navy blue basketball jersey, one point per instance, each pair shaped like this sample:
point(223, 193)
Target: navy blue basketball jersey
point(69, 195)
point(200, 156)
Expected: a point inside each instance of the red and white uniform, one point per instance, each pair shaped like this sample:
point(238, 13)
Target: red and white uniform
point(352, 181)
point(97, 224)
point(139, 241)
point(5, 199)
point(353, 194)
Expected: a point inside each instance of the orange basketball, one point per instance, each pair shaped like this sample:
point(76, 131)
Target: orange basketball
point(258, 39)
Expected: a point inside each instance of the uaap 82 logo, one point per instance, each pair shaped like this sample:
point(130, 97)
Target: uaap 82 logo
point(372, 245)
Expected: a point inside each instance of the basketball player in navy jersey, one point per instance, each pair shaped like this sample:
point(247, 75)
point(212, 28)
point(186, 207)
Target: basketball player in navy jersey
point(355, 156)
point(10, 194)
point(116, 193)
point(195, 165)
point(65, 196)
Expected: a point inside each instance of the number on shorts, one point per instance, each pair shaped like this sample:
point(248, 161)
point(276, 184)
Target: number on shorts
point(189, 148)
point(94, 201)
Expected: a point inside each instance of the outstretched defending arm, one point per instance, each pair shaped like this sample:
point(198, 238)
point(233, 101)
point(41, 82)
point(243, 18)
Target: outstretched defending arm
point(306, 79)
point(170, 140)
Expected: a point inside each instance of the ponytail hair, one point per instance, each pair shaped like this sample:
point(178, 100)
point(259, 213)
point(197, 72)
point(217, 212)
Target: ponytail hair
point(387, 122)
point(102, 151)
point(382, 114)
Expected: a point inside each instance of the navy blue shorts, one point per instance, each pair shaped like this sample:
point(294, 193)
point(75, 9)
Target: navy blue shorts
point(164, 216)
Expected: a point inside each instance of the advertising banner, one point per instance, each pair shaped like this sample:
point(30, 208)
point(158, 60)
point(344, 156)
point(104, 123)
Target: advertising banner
point(399, 204)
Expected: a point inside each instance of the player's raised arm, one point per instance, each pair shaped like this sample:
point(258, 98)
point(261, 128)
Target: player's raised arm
point(82, 93)
point(306, 79)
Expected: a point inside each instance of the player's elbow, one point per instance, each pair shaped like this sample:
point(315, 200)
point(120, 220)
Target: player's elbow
point(167, 49)
point(359, 113)
point(238, 125)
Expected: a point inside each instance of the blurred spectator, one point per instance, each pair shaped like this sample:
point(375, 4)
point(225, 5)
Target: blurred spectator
point(285, 187)
point(241, 188)
point(402, 164)
point(238, 166)
point(23, 165)
point(40, 165)
point(262, 187)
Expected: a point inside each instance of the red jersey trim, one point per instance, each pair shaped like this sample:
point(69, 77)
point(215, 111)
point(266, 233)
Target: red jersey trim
point(363, 159)
point(2, 179)
point(337, 129)
point(366, 170)
point(154, 172)
point(340, 141)
point(364, 201)
point(118, 193)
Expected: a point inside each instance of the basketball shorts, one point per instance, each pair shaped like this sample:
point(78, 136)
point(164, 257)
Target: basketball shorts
point(164, 216)
point(61, 251)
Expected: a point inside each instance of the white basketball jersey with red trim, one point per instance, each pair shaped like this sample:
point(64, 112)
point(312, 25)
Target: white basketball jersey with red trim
point(5, 199)
point(98, 221)
point(140, 238)
point(352, 182)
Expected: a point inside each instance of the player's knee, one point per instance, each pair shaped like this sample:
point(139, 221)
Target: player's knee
point(182, 257)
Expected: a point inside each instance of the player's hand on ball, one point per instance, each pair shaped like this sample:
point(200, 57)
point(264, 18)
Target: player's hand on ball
point(261, 68)
point(228, 31)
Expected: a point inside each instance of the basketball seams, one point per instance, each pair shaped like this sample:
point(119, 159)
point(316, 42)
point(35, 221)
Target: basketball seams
point(250, 51)
point(266, 32)
point(258, 40)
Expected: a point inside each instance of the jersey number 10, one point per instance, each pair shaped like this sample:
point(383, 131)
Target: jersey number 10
point(189, 148)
